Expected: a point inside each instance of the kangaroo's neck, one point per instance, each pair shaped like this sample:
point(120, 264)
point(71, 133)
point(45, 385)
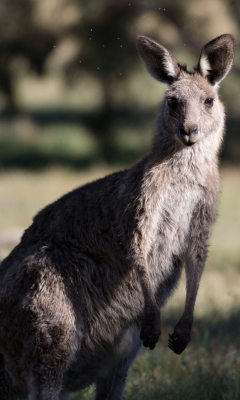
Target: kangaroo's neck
point(196, 162)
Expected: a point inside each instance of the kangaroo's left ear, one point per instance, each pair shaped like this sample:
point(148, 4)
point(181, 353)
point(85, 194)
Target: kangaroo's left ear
point(216, 58)
point(160, 63)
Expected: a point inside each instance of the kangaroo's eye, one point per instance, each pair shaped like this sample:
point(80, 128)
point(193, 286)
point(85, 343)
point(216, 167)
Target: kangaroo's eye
point(172, 102)
point(209, 102)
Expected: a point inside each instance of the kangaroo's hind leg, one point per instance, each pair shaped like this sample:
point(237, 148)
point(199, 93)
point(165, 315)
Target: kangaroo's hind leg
point(47, 386)
point(8, 391)
point(64, 396)
point(48, 366)
point(111, 386)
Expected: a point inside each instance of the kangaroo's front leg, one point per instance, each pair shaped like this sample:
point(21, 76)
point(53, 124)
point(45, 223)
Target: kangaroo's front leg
point(195, 262)
point(151, 326)
point(143, 236)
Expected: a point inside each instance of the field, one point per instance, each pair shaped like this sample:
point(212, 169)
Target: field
point(209, 369)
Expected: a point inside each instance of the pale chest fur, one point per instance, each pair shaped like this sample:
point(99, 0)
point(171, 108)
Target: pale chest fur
point(169, 199)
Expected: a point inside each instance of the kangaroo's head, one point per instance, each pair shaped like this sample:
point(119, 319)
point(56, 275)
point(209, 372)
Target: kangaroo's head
point(191, 110)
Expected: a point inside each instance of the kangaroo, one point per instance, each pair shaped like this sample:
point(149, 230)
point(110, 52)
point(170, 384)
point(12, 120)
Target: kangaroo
point(83, 289)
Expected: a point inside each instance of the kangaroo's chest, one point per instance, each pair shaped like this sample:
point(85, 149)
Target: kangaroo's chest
point(170, 234)
point(173, 212)
point(174, 217)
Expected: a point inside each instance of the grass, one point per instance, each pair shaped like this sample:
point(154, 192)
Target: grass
point(26, 144)
point(209, 369)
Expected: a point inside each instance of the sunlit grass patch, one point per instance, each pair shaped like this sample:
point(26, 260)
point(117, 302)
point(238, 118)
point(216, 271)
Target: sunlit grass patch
point(225, 239)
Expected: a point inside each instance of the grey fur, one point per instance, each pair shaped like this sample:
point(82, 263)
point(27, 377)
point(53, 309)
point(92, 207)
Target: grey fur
point(93, 270)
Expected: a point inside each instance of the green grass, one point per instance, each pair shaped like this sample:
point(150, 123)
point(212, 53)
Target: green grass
point(209, 369)
point(25, 144)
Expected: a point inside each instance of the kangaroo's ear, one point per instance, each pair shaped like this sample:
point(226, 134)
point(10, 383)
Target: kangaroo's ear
point(159, 62)
point(216, 58)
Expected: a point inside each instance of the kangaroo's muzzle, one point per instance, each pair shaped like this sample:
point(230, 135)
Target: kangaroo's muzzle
point(188, 135)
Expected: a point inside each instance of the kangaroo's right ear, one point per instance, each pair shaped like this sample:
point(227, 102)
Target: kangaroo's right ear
point(216, 58)
point(159, 61)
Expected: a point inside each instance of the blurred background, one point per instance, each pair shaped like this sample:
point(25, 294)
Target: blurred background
point(73, 90)
point(75, 104)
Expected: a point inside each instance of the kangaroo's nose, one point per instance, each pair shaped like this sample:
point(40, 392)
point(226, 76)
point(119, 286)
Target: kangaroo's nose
point(188, 134)
point(189, 130)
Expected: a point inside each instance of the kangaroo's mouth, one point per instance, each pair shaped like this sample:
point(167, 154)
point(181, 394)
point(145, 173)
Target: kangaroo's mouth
point(187, 140)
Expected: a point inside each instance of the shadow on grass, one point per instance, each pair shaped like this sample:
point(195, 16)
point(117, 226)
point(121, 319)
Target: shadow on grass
point(36, 159)
point(214, 327)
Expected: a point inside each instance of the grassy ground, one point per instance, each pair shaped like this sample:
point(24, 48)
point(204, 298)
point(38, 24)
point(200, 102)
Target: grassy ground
point(209, 369)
